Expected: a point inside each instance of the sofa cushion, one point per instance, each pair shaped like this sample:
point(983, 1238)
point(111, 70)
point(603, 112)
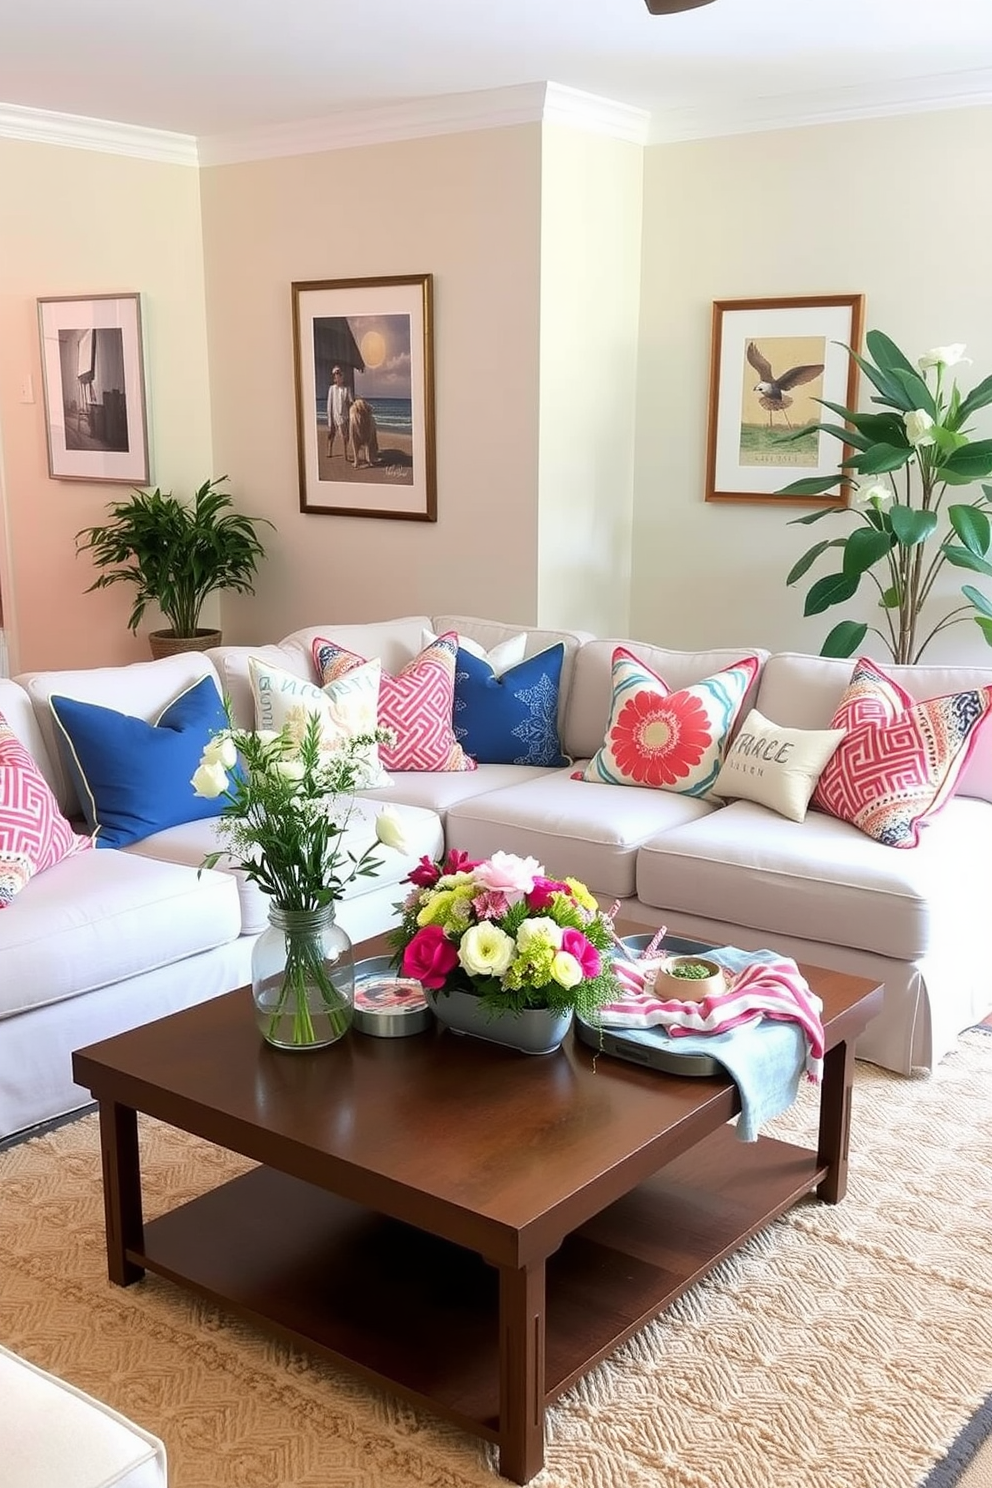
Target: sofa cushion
point(899, 761)
point(665, 739)
point(822, 879)
point(439, 790)
point(143, 689)
point(345, 707)
point(416, 704)
point(34, 835)
point(192, 841)
point(510, 718)
point(574, 827)
point(776, 767)
point(101, 917)
point(395, 642)
point(504, 654)
point(133, 777)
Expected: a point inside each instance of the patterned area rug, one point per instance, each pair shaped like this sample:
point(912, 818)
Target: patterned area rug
point(845, 1345)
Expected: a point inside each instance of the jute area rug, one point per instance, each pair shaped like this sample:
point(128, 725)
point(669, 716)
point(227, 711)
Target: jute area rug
point(845, 1347)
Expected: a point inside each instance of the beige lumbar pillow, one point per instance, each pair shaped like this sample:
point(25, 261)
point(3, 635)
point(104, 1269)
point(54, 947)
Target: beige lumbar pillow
point(774, 766)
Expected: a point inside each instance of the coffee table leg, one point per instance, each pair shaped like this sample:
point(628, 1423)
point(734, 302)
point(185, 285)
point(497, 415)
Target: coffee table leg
point(121, 1190)
point(835, 1121)
point(521, 1367)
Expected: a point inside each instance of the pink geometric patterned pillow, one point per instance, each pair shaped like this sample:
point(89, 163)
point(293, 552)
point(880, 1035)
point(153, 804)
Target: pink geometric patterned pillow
point(900, 760)
point(669, 740)
point(417, 704)
point(34, 834)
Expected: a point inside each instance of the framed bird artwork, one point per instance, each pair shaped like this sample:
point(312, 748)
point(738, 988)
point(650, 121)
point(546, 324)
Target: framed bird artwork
point(776, 366)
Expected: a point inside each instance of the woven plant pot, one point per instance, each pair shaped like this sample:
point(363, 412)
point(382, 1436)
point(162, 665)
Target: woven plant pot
point(164, 643)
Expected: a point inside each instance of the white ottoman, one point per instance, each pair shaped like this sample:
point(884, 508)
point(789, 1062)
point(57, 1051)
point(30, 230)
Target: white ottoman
point(54, 1436)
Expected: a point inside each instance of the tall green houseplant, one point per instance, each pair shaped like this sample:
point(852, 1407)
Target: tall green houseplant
point(905, 461)
point(175, 554)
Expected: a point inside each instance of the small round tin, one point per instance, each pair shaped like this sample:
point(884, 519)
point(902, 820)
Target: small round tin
point(388, 1005)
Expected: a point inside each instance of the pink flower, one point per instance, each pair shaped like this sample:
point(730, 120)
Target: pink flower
point(430, 957)
point(575, 943)
point(425, 875)
point(459, 862)
point(508, 872)
point(491, 904)
point(540, 895)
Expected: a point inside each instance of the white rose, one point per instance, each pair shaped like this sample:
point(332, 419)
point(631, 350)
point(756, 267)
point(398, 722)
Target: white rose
point(918, 426)
point(566, 970)
point(221, 751)
point(943, 356)
point(209, 780)
point(540, 931)
point(289, 769)
point(389, 830)
point(486, 950)
point(870, 493)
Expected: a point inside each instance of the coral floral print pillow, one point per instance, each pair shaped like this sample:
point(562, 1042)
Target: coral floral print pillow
point(34, 835)
point(417, 704)
point(899, 760)
point(672, 741)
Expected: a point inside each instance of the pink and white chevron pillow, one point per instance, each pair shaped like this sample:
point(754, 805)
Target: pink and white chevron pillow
point(417, 704)
point(34, 834)
point(899, 760)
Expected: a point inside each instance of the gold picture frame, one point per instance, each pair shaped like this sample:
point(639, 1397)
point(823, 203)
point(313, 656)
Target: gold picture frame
point(772, 363)
point(364, 364)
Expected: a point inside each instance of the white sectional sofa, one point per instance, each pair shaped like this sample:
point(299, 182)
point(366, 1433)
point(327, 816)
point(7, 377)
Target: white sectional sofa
point(110, 938)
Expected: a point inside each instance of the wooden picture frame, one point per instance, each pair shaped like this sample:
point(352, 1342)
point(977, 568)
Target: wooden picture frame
point(771, 363)
point(92, 365)
point(372, 340)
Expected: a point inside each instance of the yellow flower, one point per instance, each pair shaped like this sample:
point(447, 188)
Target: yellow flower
point(581, 894)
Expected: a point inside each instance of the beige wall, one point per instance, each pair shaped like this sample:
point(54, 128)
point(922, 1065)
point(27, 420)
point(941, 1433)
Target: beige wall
point(79, 222)
point(895, 208)
point(465, 208)
point(590, 256)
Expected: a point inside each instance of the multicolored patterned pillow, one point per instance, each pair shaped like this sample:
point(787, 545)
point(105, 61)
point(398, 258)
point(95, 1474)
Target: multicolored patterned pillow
point(34, 834)
point(900, 759)
point(417, 704)
point(345, 708)
point(671, 741)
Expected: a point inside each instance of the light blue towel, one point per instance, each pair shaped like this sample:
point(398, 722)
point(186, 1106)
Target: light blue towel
point(765, 1059)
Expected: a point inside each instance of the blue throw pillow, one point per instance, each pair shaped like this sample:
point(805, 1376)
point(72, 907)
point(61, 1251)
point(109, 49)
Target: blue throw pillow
point(511, 719)
point(133, 777)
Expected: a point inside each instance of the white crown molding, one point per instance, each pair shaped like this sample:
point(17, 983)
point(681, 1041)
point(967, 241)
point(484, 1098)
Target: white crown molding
point(876, 100)
point(75, 132)
point(448, 113)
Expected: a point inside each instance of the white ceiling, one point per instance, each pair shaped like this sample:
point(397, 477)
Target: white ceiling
point(217, 67)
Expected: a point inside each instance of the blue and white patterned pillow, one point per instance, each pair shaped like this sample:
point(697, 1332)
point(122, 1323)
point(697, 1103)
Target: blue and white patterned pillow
point(512, 718)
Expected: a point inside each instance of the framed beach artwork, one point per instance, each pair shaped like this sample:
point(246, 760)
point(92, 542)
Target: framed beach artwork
point(773, 364)
point(92, 367)
point(363, 353)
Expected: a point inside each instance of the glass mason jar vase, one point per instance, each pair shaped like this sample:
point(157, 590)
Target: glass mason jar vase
point(303, 979)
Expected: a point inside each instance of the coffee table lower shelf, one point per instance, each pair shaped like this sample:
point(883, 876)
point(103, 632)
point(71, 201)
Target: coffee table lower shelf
point(418, 1315)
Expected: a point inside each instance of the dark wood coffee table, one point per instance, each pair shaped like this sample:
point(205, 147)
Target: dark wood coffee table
point(471, 1227)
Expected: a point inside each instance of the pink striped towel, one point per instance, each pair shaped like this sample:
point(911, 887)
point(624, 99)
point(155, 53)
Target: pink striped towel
point(762, 989)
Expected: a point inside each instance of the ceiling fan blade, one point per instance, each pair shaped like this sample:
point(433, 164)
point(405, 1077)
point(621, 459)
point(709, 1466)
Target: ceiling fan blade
point(672, 7)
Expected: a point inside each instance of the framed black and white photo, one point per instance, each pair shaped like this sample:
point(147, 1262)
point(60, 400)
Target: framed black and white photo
point(94, 382)
point(363, 353)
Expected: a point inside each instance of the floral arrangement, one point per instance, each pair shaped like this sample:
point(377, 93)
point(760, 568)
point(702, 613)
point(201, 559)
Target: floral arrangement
point(505, 931)
point(896, 480)
point(288, 797)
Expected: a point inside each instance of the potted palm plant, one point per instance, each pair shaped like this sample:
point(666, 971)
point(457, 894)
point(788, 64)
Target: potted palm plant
point(175, 554)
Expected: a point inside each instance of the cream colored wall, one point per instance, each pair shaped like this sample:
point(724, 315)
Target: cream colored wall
point(465, 208)
point(590, 252)
point(79, 222)
point(895, 208)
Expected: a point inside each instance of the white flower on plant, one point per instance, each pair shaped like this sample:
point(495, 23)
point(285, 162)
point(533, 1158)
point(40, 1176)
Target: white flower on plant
point(209, 779)
point(389, 830)
point(943, 356)
point(566, 970)
point(919, 427)
point(220, 751)
point(870, 493)
point(290, 768)
point(538, 932)
point(486, 950)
